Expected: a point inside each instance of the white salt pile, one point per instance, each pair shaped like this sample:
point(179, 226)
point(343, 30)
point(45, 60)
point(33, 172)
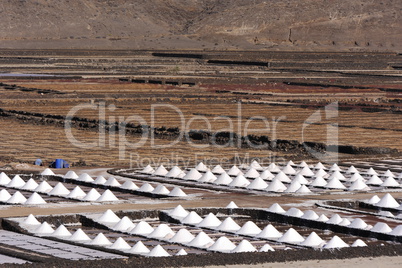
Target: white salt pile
point(192, 175)
point(178, 211)
point(294, 212)
point(202, 240)
point(147, 170)
point(61, 231)
point(177, 192)
point(16, 182)
point(218, 169)
point(4, 195)
point(16, 198)
point(146, 187)
point(232, 205)
point(183, 236)
point(142, 228)
point(92, 195)
point(313, 240)
point(223, 179)
point(4, 179)
point(336, 242)
point(276, 186)
point(108, 217)
point(129, 185)
point(76, 193)
point(85, 178)
point(381, 227)
point(35, 199)
point(44, 229)
point(210, 221)
point(120, 244)
point(80, 236)
point(125, 224)
point(228, 225)
point(266, 248)
point(249, 228)
point(276, 208)
point(310, 215)
point(163, 231)
point(208, 177)
point(174, 172)
point(158, 251)
point(252, 174)
point(31, 220)
point(388, 201)
point(47, 172)
point(161, 190)
point(160, 171)
point(111, 181)
point(223, 244)
point(71, 175)
point(101, 240)
point(239, 181)
point(234, 171)
point(270, 232)
point(30, 185)
point(59, 190)
point(359, 243)
point(335, 219)
point(100, 180)
point(181, 252)
point(244, 246)
point(291, 236)
point(139, 248)
point(192, 218)
point(358, 224)
point(201, 167)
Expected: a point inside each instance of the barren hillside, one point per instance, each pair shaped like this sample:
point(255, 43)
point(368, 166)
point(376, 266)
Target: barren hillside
point(236, 24)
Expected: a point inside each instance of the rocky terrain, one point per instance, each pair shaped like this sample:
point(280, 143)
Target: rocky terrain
point(203, 24)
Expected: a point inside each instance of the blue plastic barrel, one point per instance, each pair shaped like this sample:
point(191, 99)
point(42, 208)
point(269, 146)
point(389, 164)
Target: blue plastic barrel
point(58, 163)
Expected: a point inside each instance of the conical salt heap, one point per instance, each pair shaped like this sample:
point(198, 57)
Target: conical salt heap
point(30, 185)
point(273, 168)
point(76, 193)
point(161, 190)
point(313, 240)
point(202, 240)
point(359, 185)
point(47, 172)
point(192, 175)
point(158, 251)
point(334, 183)
point(101, 240)
point(335, 167)
point(300, 179)
point(257, 184)
point(201, 167)
point(124, 224)
point(352, 170)
point(397, 231)
point(319, 165)
point(146, 187)
point(232, 205)
point(16, 198)
point(336, 242)
point(208, 177)
point(129, 185)
point(303, 164)
point(319, 182)
point(210, 221)
point(255, 165)
point(31, 220)
point(163, 231)
point(234, 171)
point(306, 171)
point(61, 231)
point(147, 170)
point(228, 225)
point(178, 211)
point(223, 244)
point(276, 186)
point(218, 170)
point(181, 252)
point(310, 215)
point(388, 173)
point(71, 175)
point(252, 174)
point(266, 248)
point(244, 246)
point(335, 219)
point(192, 218)
point(358, 224)
point(359, 243)
point(276, 208)
point(267, 175)
point(112, 182)
point(374, 180)
point(375, 199)
point(239, 181)
point(107, 196)
point(303, 190)
point(177, 192)
point(288, 170)
point(108, 217)
point(381, 227)
point(250, 229)
point(356, 177)
point(85, 178)
point(142, 228)
point(294, 212)
point(183, 236)
point(322, 218)
point(4, 195)
point(100, 180)
point(223, 179)
point(293, 187)
point(92, 195)
point(337, 175)
point(139, 248)
point(160, 171)
point(35, 199)
point(321, 173)
point(344, 222)
point(59, 190)
point(16, 182)
point(120, 244)
point(269, 232)
point(371, 171)
point(390, 182)
point(4, 179)
point(44, 229)
point(291, 236)
point(80, 236)
point(282, 177)
point(387, 202)
point(173, 172)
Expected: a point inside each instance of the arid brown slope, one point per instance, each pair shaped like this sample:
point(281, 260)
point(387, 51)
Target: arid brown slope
point(161, 24)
